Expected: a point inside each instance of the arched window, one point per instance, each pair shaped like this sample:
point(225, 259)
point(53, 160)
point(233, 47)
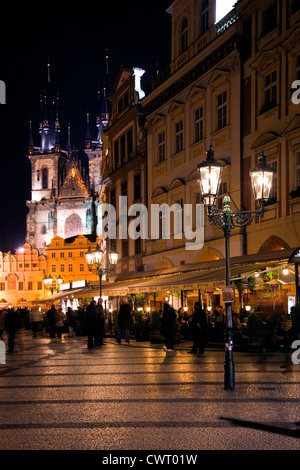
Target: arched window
point(204, 16)
point(44, 229)
point(184, 35)
point(45, 178)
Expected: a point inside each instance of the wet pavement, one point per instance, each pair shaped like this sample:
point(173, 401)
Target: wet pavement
point(58, 395)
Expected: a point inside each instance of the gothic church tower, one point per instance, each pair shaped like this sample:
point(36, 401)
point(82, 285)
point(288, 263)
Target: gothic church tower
point(61, 203)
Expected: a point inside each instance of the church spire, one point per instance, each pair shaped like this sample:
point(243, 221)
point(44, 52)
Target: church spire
point(88, 132)
point(57, 127)
point(30, 142)
point(69, 148)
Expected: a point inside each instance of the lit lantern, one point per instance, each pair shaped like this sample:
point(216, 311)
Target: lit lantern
point(261, 178)
point(113, 257)
point(210, 176)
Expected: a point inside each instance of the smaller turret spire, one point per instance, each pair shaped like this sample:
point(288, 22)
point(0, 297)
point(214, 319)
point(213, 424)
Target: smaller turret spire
point(88, 132)
point(69, 148)
point(30, 143)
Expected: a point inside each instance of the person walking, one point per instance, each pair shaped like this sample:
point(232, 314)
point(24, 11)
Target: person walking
point(70, 322)
point(50, 315)
point(91, 323)
point(168, 326)
point(35, 320)
point(59, 322)
point(198, 329)
point(100, 324)
point(124, 320)
point(11, 326)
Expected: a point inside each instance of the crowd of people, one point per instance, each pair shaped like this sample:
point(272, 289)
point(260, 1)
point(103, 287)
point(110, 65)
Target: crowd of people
point(94, 322)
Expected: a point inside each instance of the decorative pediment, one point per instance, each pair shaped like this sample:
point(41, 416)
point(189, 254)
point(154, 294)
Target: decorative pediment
point(158, 118)
point(264, 139)
point(293, 125)
point(74, 185)
point(196, 92)
point(175, 105)
point(176, 183)
point(218, 75)
point(193, 176)
point(159, 191)
point(123, 75)
point(266, 59)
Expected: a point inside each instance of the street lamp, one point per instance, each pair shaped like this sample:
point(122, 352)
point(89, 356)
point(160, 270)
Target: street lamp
point(210, 176)
point(49, 282)
point(94, 262)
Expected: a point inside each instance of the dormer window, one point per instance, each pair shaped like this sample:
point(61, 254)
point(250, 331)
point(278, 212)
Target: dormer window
point(184, 35)
point(204, 17)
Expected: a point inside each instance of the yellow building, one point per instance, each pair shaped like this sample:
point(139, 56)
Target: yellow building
point(21, 276)
point(66, 262)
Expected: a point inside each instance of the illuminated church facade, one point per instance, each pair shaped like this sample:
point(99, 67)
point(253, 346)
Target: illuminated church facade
point(65, 194)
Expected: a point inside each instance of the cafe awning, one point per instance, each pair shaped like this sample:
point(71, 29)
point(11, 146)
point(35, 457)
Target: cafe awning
point(210, 274)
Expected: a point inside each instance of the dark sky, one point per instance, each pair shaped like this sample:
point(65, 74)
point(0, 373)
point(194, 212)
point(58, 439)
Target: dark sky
point(74, 35)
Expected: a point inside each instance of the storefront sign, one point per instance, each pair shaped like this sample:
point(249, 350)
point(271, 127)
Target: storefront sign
point(77, 284)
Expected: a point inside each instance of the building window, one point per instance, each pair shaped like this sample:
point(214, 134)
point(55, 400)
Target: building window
point(123, 149)
point(125, 248)
point(198, 124)
point(20, 286)
point(45, 178)
point(62, 254)
point(44, 230)
point(269, 19)
point(116, 154)
point(124, 189)
point(161, 147)
point(70, 254)
point(81, 254)
point(2, 285)
point(270, 90)
point(62, 268)
point(81, 267)
point(40, 285)
point(137, 186)
point(53, 268)
point(204, 17)
point(53, 255)
point(179, 136)
point(184, 35)
point(30, 285)
point(113, 198)
point(129, 143)
point(222, 110)
point(70, 268)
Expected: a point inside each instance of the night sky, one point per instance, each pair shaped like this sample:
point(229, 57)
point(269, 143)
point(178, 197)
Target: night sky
point(74, 35)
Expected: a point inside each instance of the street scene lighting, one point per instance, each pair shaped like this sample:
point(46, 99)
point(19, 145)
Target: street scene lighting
point(210, 177)
point(94, 262)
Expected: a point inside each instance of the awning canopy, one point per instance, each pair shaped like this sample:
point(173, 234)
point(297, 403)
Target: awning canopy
point(210, 274)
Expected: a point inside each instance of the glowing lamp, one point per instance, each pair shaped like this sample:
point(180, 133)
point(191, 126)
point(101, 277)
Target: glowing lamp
point(261, 179)
point(210, 176)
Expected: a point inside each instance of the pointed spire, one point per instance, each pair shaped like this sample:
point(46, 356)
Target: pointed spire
point(30, 142)
point(57, 127)
point(69, 148)
point(88, 132)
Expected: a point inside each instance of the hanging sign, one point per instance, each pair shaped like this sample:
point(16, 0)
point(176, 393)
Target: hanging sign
point(228, 294)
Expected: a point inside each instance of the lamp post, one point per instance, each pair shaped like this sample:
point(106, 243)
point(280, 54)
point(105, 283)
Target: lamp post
point(210, 176)
point(94, 262)
point(49, 281)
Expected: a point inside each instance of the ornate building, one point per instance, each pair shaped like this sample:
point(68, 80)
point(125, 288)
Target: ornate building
point(64, 194)
point(21, 276)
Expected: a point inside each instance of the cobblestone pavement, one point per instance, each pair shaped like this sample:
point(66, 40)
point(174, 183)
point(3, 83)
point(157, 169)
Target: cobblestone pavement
point(58, 395)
